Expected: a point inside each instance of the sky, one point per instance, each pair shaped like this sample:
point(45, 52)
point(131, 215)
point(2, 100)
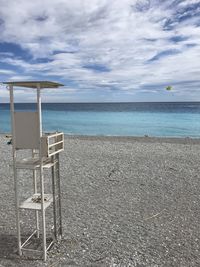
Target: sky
point(102, 50)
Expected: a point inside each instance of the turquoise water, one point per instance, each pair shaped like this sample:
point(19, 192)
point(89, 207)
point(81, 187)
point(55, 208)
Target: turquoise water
point(126, 119)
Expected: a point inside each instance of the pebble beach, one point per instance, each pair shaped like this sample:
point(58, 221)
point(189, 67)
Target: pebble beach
point(125, 202)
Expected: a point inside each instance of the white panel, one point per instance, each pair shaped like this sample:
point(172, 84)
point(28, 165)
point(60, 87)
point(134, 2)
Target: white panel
point(26, 130)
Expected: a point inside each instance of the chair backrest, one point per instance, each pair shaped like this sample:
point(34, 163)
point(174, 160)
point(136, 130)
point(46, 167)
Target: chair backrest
point(26, 130)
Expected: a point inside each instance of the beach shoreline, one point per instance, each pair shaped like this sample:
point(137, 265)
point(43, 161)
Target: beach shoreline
point(148, 139)
point(126, 201)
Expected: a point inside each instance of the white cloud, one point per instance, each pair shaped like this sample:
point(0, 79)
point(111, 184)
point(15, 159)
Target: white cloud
point(120, 35)
point(189, 2)
point(20, 78)
point(6, 72)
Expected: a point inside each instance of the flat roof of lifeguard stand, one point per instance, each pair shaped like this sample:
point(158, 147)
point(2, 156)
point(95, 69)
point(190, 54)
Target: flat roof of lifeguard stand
point(34, 84)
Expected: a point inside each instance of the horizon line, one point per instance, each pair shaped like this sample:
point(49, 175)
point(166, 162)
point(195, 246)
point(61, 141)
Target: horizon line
point(123, 102)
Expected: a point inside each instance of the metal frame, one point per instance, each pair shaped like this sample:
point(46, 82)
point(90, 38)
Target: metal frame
point(47, 156)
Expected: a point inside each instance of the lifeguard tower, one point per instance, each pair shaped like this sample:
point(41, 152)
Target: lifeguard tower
point(43, 150)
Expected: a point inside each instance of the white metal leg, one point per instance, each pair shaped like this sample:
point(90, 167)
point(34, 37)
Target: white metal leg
point(15, 170)
point(35, 192)
point(43, 214)
point(36, 212)
point(59, 194)
point(41, 172)
point(54, 200)
point(17, 213)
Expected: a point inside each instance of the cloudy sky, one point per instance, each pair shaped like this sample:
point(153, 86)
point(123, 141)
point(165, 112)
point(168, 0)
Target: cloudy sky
point(102, 50)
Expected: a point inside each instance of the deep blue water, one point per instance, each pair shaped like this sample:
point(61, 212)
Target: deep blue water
point(173, 119)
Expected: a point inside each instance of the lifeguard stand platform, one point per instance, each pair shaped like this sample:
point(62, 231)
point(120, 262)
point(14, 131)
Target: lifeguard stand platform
point(44, 152)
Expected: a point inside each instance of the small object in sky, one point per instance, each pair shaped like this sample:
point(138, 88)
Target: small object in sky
point(169, 88)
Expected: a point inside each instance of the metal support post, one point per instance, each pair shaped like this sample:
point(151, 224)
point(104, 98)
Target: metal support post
point(59, 195)
point(41, 174)
point(54, 197)
point(35, 192)
point(12, 109)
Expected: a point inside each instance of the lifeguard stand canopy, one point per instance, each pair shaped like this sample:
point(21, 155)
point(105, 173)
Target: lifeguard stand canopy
point(35, 84)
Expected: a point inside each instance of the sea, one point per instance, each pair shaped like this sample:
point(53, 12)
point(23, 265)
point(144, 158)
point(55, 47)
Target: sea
point(166, 119)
